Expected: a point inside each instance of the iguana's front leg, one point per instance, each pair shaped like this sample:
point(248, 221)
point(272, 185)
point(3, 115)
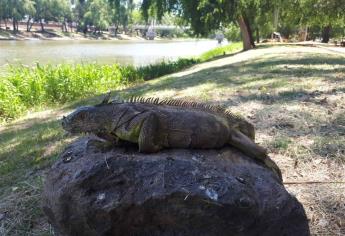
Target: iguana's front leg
point(111, 138)
point(148, 135)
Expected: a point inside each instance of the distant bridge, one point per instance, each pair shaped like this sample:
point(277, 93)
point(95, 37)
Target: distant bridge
point(159, 27)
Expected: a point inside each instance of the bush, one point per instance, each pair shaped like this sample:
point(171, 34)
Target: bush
point(24, 87)
point(233, 33)
point(164, 68)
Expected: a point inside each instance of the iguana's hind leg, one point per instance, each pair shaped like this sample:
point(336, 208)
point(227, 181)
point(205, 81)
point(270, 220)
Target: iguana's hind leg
point(246, 145)
point(148, 135)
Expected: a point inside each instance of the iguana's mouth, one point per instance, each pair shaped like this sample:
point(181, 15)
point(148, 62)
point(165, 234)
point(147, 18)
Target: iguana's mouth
point(64, 122)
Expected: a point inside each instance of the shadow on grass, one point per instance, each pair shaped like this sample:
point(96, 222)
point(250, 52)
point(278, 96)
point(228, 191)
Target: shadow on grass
point(299, 95)
point(27, 149)
point(33, 144)
point(29, 143)
point(249, 74)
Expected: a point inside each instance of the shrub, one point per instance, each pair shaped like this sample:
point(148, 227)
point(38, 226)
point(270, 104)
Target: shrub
point(24, 87)
point(164, 68)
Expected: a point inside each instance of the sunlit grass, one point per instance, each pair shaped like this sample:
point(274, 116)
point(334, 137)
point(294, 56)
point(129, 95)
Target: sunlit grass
point(221, 51)
point(23, 88)
point(298, 112)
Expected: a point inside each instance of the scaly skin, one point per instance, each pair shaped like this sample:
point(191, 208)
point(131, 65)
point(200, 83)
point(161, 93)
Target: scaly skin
point(155, 125)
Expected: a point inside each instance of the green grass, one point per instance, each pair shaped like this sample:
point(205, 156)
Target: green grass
point(281, 143)
point(23, 88)
point(221, 51)
point(294, 99)
point(25, 152)
point(4, 33)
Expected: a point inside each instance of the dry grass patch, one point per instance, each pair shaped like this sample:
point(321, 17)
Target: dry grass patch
point(295, 96)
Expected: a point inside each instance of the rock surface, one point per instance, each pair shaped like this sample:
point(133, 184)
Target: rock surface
point(119, 191)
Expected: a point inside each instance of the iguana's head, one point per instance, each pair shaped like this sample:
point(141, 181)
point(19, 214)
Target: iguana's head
point(90, 119)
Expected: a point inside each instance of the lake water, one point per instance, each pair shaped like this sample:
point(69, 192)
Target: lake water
point(106, 52)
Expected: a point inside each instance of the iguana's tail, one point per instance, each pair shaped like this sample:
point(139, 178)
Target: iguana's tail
point(246, 145)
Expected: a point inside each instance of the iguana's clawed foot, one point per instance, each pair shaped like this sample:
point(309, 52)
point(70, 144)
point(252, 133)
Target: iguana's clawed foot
point(274, 167)
point(105, 145)
point(99, 144)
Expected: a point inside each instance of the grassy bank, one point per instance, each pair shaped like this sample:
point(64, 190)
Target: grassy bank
point(23, 88)
point(293, 95)
point(221, 51)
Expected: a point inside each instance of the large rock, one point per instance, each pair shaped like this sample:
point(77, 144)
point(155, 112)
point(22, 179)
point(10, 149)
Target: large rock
point(90, 191)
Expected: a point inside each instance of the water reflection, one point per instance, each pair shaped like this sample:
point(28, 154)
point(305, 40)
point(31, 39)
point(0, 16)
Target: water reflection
point(104, 52)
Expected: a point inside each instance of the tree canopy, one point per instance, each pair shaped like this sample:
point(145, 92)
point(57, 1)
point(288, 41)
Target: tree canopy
point(255, 19)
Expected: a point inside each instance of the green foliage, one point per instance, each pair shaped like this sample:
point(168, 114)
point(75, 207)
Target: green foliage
point(281, 143)
point(220, 51)
point(163, 68)
point(16, 10)
point(232, 32)
point(203, 16)
point(23, 87)
point(97, 14)
point(262, 17)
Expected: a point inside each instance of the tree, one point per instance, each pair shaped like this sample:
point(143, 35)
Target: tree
point(3, 12)
point(205, 16)
point(79, 12)
point(16, 10)
point(120, 13)
point(30, 11)
point(316, 16)
point(43, 12)
point(61, 12)
point(97, 15)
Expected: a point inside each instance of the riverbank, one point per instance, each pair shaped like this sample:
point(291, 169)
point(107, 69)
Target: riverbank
point(23, 88)
point(59, 35)
point(51, 34)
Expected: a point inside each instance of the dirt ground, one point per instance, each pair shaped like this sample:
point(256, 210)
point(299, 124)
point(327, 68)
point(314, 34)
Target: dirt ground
point(294, 95)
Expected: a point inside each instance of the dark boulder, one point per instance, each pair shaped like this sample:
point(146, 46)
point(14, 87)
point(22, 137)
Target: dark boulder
point(94, 191)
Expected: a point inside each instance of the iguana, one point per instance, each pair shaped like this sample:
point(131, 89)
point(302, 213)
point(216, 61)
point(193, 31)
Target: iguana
point(155, 124)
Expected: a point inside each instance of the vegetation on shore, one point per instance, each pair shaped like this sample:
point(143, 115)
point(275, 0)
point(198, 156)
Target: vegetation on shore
point(23, 87)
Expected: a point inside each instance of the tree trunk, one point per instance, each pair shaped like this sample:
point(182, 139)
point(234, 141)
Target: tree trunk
point(28, 28)
point(65, 25)
point(247, 43)
point(42, 25)
point(116, 30)
point(252, 41)
point(257, 35)
point(14, 24)
point(326, 33)
point(303, 34)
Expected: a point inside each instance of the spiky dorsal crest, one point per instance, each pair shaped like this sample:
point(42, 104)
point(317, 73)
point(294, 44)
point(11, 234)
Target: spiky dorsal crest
point(182, 103)
point(106, 98)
